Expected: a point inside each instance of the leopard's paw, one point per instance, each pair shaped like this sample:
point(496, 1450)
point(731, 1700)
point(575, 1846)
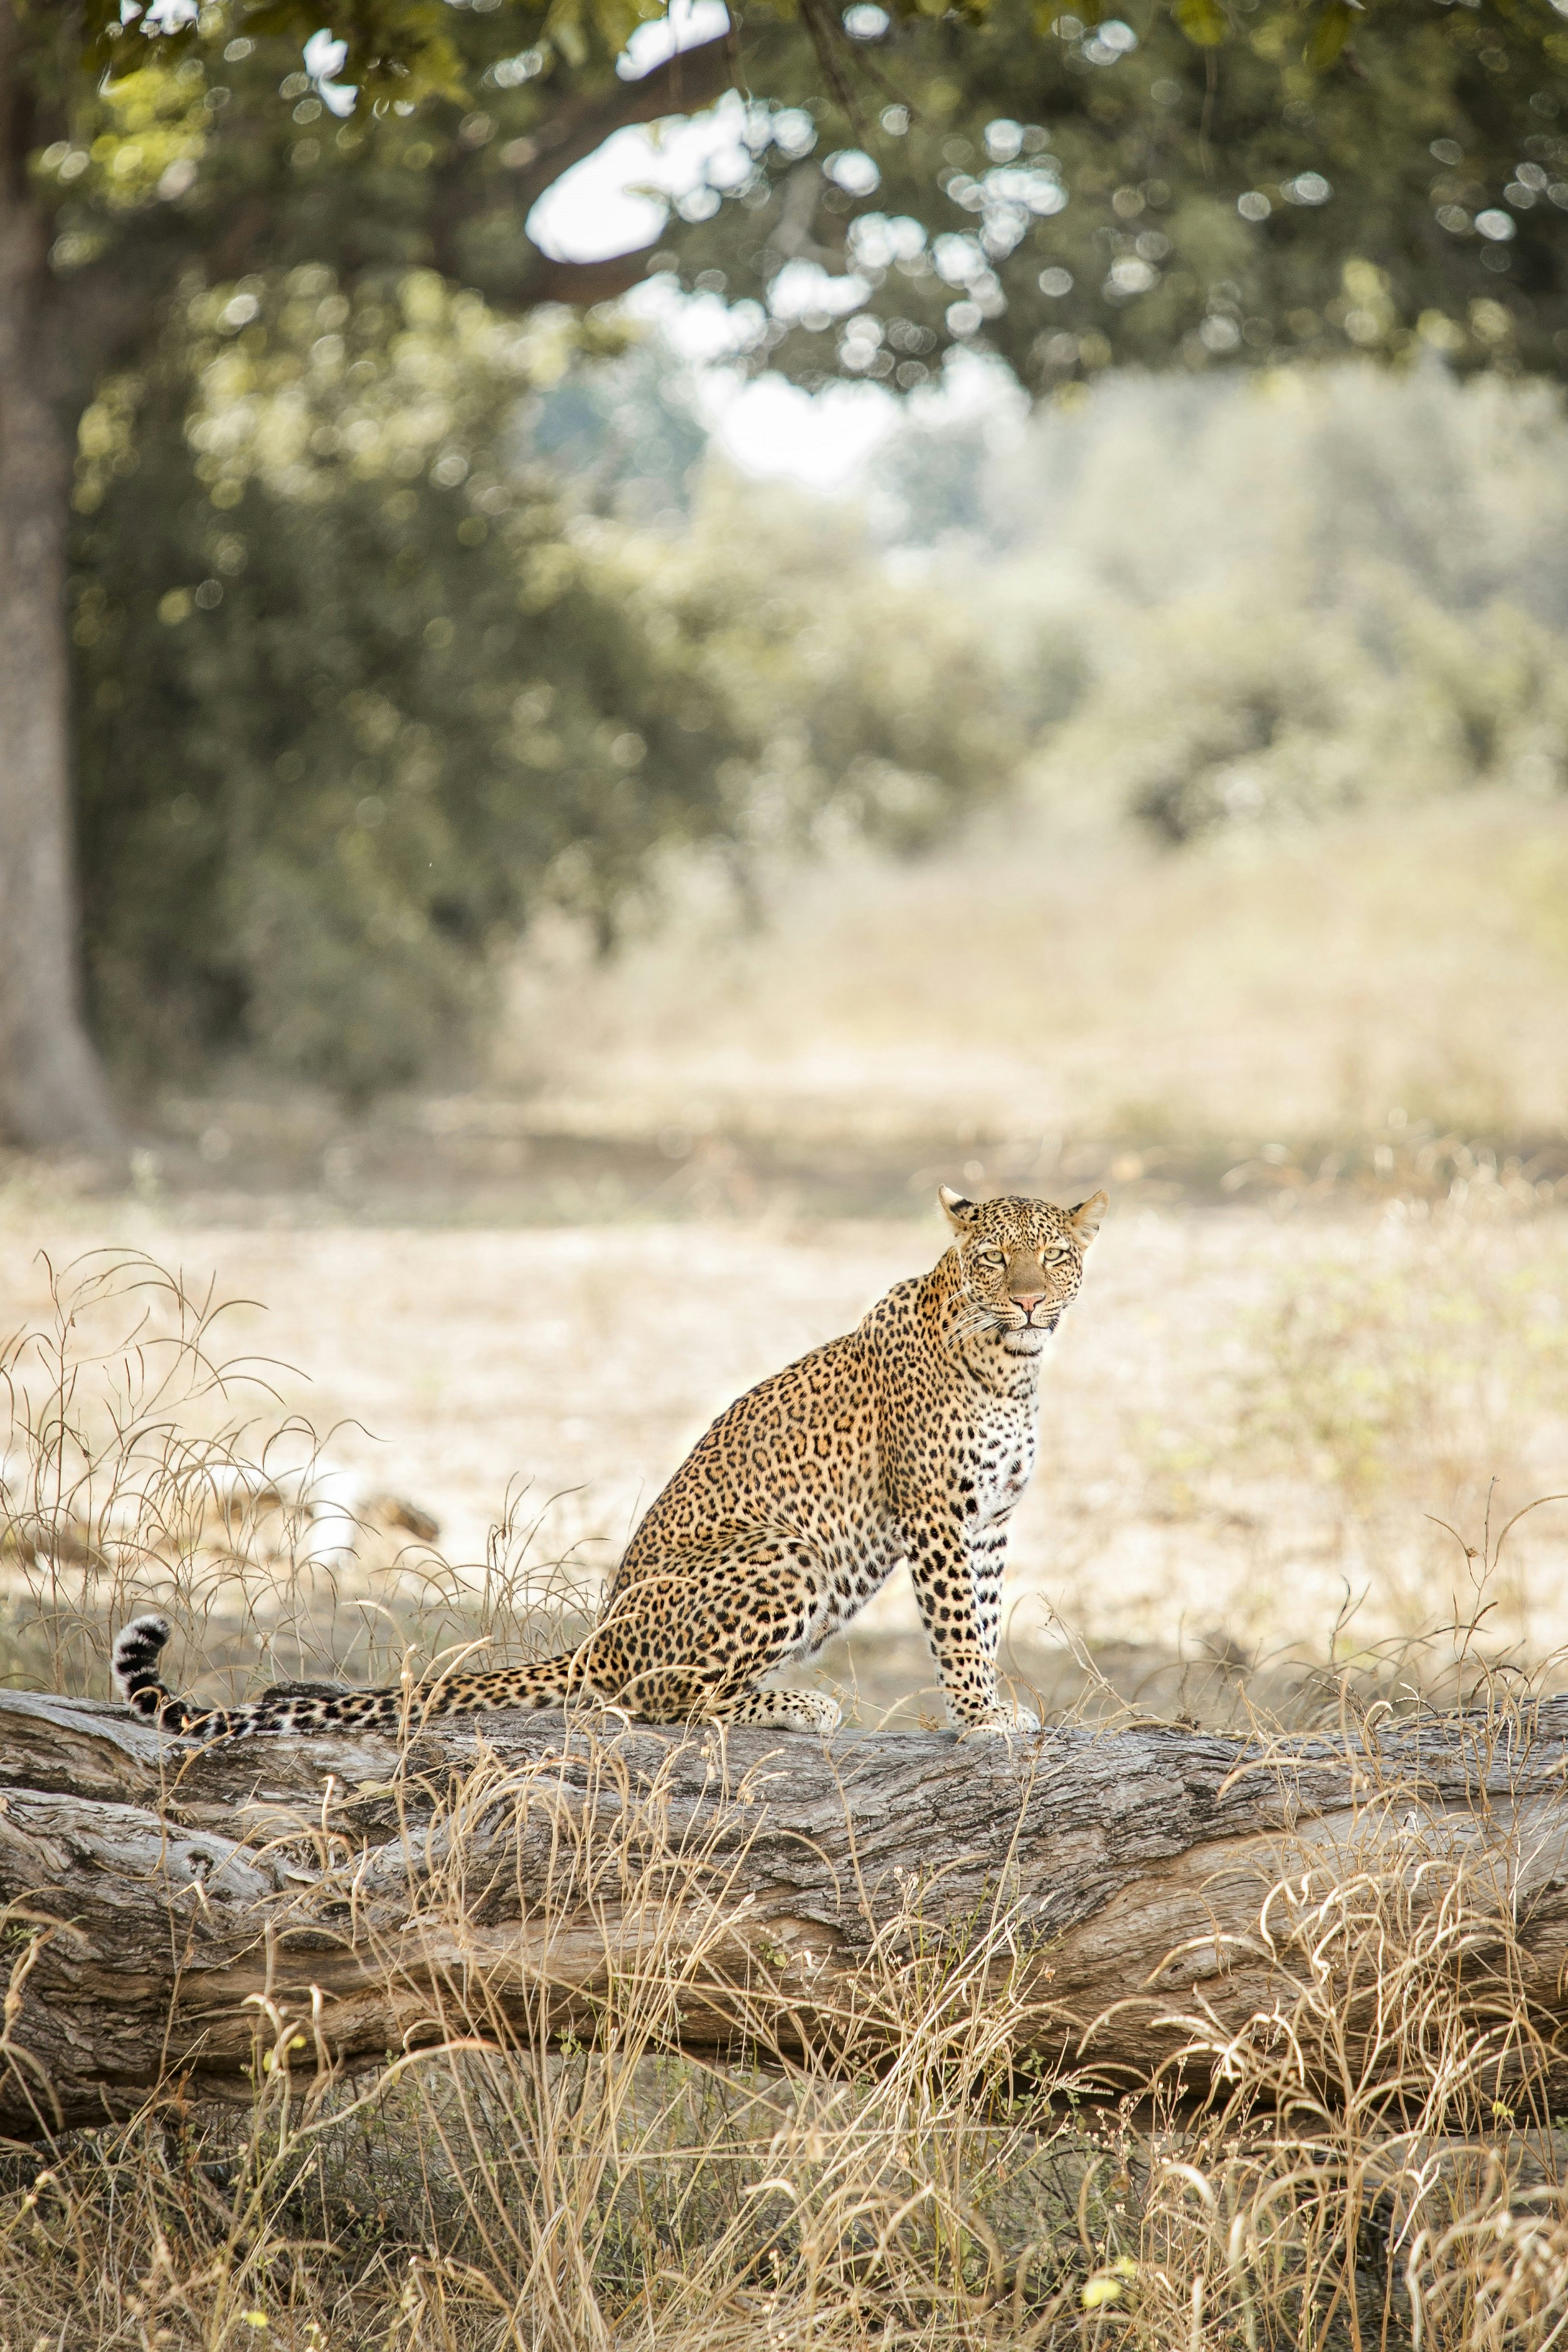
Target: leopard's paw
point(796, 1710)
point(809, 1711)
point(1011, 1721)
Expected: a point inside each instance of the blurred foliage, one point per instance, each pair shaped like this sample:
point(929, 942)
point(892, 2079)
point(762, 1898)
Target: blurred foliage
point(1096, 193)
point(358, 690)
point(361, 683)
point(229, 158)
point(406, 49)
point(1337, 591)
point(1150, 488)
point(348, 697)
point(1231, 715)
point(1223, 183)
point(870, 704)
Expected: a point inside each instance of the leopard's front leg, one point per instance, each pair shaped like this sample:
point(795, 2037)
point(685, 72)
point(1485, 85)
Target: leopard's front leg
point(987, 1562)
point(942, 1571)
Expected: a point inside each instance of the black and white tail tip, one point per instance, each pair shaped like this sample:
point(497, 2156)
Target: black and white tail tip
point(134, 1659)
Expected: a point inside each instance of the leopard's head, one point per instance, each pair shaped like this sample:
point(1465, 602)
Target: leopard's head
point(1020, 1264)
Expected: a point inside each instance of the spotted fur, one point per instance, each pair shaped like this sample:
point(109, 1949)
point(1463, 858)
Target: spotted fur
point(911, 1438)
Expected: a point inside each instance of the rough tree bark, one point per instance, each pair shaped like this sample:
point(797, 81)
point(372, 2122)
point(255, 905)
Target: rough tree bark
point(346, 1897)
point(51, 1086)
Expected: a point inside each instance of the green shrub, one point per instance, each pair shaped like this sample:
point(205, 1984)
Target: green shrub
point(359, 689)
point(350, 700)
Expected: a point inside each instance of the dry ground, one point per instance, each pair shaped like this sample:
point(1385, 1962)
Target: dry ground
point(1045, 982)
point(1251, 1422)
point(1373, 1007)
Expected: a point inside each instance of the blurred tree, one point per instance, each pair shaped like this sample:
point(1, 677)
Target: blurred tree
point(1350, 591)
point(869, 706)
point(360, 689)
point(186, 147)
point(625, 433)
point(1238, 179)
point(350, 697)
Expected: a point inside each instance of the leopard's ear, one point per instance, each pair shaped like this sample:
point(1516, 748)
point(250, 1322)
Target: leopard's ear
point(961, 1214)
point(1084, 1219)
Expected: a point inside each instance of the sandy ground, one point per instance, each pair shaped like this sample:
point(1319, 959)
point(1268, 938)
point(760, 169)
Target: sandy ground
point(1247, 1423)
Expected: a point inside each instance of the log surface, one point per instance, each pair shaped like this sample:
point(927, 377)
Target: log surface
point(175, 1912)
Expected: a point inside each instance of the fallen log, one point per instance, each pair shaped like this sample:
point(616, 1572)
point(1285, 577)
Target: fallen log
point(1112, 1900)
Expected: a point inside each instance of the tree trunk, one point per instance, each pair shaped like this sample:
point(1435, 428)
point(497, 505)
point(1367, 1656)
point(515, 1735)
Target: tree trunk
point(51, 1086)
point(1114, 1902)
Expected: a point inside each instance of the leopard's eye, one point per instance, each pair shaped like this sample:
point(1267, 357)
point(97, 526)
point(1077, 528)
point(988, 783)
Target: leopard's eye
point(989, 1255)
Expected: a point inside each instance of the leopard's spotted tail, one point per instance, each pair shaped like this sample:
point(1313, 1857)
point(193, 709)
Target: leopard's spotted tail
point(134, 1660)
point(139, 1646)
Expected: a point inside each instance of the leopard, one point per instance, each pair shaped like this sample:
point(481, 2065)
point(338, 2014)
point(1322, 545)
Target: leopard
point(910, 1439)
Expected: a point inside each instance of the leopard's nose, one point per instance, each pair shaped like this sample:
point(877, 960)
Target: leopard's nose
point(1027, 1300)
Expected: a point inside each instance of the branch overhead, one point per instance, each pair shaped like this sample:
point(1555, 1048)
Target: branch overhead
point(469, 200)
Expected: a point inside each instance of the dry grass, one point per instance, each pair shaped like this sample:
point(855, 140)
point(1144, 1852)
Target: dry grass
point(1343, 2188)
point(1379, 2166)
point(497, 2191)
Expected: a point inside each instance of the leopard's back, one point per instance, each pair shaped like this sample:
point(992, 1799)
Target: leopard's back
point(801, 1452)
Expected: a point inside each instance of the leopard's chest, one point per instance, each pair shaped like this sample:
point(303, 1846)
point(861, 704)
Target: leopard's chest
point(995, 1460)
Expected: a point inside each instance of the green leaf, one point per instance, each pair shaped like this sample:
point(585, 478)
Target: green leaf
point(1203, 21)
point(1330, 34)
